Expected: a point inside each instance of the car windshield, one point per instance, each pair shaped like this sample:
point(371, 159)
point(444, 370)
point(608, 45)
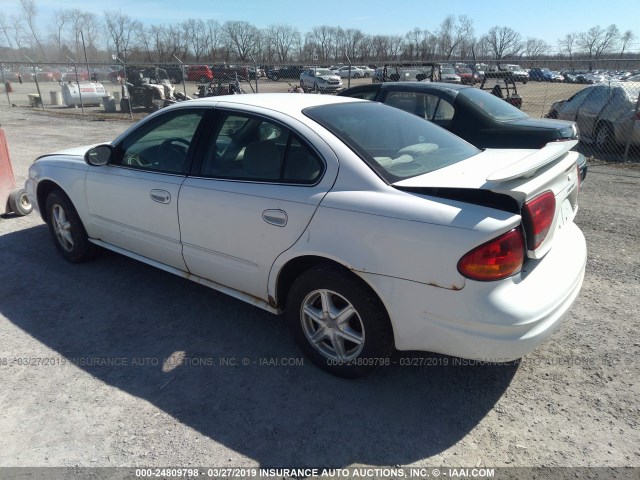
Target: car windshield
point(394, 143)
point(492, 105)
point(320, 72)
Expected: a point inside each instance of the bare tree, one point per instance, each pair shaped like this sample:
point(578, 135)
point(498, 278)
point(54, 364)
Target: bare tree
point(415, 42)
point(351, 39)
point(322, 40)
point(625, 39)
point(452, 32)
point(57, 28)
point(597, 41)
point(568, 44)
point(195, 37)
point(534, 48)
point(5, 28)
point(30, 12)
point(17, 30)
point(213, 37)
point(120, 29)
point(396, 46)
point(503, 42)
point(241, 37)
point(281, 38)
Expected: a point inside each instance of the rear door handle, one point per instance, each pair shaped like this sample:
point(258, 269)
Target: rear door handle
point(275, 217)
point(160, 196)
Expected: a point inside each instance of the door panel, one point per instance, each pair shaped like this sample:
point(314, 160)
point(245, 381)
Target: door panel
point(133, 201)
point(258, 187)
point(232, 232)
point(125, 213)
point(589, 111)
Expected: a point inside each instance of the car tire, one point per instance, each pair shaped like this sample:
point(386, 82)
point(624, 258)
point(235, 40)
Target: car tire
point(19, 202)
point(275, 77)
point(604, 138)
point(338, 322)
point(67, 230)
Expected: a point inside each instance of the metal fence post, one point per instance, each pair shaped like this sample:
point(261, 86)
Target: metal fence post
point(625, 157)
point(5, 83)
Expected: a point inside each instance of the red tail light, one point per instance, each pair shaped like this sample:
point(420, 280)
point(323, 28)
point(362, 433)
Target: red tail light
point(538, 216)
point(500, 258)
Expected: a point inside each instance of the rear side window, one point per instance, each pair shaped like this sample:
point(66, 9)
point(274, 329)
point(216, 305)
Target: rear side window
point(492, 105)
point(249, 148)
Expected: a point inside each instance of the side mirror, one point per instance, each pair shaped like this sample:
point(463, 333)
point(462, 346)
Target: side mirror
point(99, 156)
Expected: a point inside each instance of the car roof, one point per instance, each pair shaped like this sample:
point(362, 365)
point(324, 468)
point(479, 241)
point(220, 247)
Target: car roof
point(288, 103)
point(427, 86)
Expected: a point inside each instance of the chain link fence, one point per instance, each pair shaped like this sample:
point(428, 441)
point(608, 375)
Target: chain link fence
point(603, 97)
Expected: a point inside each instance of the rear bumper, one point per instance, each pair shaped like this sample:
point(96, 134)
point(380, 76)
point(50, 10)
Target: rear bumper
point(489, 321)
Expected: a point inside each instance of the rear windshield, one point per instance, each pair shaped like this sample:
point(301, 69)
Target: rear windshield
point(492, 105)
point(394, 143)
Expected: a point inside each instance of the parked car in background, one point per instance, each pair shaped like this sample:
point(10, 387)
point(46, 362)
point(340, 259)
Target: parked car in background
point(227, 72)
point(399, 73)
point(320, 80)
point(174, 71)
point(371, 229)
point(473, 114)
point(10, 76)
point(199, 73)
point(349, 71)
point(569, 77)
point(286, 72)
point(555, 76)
point(101, 74)
point(49, 75)
point(366, 71)
point(466, 75)
point(256, 72)
point(605, 114)
point(449, 75)
point(519, 74)
point(540, 74)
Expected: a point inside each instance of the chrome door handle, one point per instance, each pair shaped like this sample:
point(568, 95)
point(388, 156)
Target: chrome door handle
point(160, 196)
point(275, 217)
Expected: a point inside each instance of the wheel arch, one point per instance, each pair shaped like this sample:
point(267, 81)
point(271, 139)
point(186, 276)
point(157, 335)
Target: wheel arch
point(294, 267)
point(45, 187)
point(602, 123)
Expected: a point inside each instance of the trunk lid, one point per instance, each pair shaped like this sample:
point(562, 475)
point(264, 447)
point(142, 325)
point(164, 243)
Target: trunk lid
point(516, 176)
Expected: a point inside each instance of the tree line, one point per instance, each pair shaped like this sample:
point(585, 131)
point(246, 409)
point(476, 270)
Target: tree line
point(79, 34)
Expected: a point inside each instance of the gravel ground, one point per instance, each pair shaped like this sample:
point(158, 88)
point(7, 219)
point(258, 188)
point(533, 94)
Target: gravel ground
point(115, 363)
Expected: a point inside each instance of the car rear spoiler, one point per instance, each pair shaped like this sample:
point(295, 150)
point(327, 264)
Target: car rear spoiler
point(528, 166)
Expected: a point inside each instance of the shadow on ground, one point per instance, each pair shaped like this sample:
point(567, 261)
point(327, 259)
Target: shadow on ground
point(114, 307)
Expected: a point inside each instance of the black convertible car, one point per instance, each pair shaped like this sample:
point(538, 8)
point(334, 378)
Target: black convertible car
point(480, 118)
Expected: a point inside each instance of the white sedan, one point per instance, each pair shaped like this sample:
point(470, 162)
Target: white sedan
point(372, 229)
point(353, 72)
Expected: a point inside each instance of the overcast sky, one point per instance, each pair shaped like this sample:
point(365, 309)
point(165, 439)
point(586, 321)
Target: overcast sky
point(546, 19)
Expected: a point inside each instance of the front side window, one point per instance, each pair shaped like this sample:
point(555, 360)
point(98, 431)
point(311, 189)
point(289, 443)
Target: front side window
point(161, 145)
point(249, 148)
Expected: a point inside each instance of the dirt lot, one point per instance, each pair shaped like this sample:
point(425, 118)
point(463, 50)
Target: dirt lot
point(115, 363)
